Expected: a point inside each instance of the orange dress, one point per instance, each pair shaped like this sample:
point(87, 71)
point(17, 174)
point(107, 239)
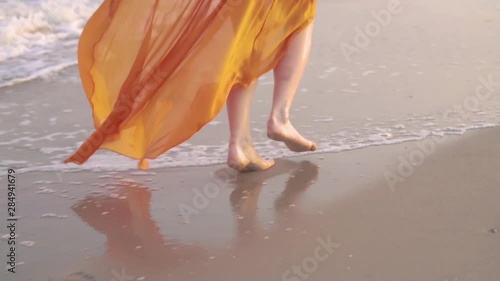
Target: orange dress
point(156, 71)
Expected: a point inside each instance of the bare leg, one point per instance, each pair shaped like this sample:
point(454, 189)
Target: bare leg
point(242, 155)
point(287, 76)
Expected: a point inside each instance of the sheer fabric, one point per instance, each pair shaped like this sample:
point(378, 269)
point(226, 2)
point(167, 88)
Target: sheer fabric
point(156, 71)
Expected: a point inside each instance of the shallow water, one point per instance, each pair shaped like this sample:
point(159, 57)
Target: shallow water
point(39, 37)
point(39, 135)
point(111, 222)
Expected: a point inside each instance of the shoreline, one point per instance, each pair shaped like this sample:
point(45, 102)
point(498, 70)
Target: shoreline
point(171, 214)
point(412, 211)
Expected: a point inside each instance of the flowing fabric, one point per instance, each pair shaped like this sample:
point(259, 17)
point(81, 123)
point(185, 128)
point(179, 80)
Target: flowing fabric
point(156, 71)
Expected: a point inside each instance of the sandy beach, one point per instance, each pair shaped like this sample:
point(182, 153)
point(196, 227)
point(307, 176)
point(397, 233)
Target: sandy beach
point(403, 99)
point(439, 224)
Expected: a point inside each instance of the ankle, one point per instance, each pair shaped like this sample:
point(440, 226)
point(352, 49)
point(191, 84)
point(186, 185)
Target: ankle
point(239, 141)
point(277, 119)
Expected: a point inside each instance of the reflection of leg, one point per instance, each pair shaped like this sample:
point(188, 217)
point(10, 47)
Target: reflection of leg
point(244, 202)
point(251, 183)
point(244, 199)
point(242, 155)
point(141, 222)
point(302, 179)
point(287, 76)
point(138, 199)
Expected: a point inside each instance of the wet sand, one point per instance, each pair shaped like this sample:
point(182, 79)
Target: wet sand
point(427, 61)
point(333, 216)
point(412, 211)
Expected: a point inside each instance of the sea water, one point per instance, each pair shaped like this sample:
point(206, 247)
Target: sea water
point(38, 37)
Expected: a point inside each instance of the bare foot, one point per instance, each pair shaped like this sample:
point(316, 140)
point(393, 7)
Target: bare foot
point(244, 158)
point(285, 132)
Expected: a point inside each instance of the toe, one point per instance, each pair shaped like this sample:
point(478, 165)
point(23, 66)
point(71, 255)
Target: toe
point(269, 163)
point(314, 147)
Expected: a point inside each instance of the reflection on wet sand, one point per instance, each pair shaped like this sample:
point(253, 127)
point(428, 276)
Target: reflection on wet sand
point(245, 197)
point(134, 240)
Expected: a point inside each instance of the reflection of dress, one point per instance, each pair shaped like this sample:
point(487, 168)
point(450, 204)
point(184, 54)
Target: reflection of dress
point(132, 234)
point(156, 71)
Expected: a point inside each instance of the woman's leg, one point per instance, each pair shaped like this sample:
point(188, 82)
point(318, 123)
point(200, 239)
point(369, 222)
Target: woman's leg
point(287, 76)
point(242, 155)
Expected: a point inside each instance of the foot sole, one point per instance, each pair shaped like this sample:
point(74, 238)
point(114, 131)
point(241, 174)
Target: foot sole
point(291, 144)
point(246, 168)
